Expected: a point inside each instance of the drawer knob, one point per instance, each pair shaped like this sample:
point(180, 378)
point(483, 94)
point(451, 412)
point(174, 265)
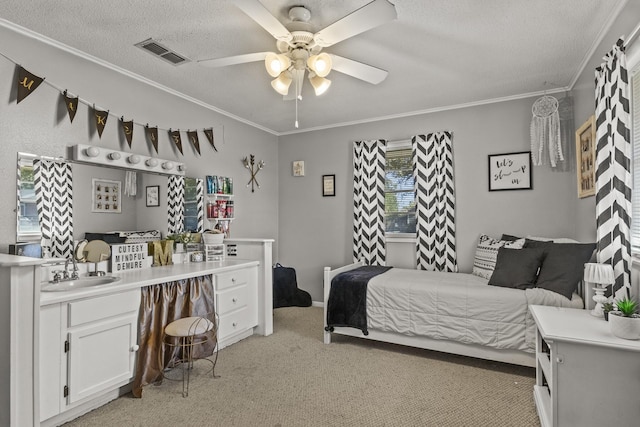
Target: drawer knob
point(135, 348)
point(233, 280)
point(235, 324)
point(234, 300)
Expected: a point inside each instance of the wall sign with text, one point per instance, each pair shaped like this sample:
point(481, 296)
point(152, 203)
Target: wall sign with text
point(510, 171)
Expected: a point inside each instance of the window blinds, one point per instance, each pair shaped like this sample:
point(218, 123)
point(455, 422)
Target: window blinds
point(635, 138)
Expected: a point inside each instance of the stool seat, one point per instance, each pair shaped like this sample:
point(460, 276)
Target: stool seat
point(188, 326)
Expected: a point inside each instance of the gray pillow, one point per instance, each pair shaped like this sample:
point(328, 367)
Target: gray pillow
point(517, 268)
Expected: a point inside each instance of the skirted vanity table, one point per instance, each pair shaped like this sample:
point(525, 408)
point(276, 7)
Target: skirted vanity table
point(72, 351)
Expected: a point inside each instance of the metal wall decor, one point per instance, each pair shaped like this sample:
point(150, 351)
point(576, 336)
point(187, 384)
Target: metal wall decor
point(253, 169)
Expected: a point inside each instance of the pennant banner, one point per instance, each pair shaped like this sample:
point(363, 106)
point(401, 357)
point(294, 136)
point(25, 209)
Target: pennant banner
point(193, 137)
point(26, 83)
point(209, 134)
point(127, 128)
point(175, 137)
point(72, 105)
point(101, 120)
point(152, 135)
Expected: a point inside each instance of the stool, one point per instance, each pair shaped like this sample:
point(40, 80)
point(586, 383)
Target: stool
point(186, 333)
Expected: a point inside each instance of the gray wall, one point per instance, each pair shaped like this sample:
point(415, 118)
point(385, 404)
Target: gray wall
point(316, 231)
point(39, 125)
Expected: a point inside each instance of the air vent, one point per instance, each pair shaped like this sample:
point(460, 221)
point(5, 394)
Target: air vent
point(162, 52)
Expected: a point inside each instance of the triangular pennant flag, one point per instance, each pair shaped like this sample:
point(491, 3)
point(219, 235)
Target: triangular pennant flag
point(175, 137)
point(27, 83)
point(193, 137)
point(72, 105)
point(101, 119)
point(127, 128)
point(152, 135)
point(209, 134)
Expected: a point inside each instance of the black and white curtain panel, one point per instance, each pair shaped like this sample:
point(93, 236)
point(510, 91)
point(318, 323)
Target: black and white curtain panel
point(175, 204)
point(200, 203)
point(53, 186)
point(368, 201)
point(613, 167)
point(435, 202)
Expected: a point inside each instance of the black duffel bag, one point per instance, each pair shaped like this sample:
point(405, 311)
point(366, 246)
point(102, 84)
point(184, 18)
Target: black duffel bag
point(285, 289)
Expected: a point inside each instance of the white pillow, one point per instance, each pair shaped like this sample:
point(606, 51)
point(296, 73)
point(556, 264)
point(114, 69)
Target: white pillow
point(487, 252)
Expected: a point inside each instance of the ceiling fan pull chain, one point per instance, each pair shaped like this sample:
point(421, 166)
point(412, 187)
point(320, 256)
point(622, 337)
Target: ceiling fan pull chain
point(296, 123)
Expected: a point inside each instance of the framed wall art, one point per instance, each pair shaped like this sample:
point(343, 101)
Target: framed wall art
point(105, 196)
point(510, 171)
point(153, 195)
point(328, 185)
point(298, 168)
point(586, 158)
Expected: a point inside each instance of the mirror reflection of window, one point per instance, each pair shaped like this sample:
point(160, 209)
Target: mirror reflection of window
point(27, 225)
point(191, 204)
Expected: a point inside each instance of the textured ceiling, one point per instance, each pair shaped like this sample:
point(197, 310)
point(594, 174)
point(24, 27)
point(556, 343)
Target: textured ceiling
point(438, 53)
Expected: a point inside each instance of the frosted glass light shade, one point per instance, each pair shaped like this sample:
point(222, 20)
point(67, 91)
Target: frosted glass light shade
point(320, 64)
point(282, 83)
point(601, 274)
point(92, 152)
point(320, 84)
point(276, 63)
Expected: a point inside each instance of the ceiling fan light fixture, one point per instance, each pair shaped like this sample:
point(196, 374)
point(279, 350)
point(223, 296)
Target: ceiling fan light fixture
point(281, 83)
point(320, 64)
point(276, 63)
point(320, 84)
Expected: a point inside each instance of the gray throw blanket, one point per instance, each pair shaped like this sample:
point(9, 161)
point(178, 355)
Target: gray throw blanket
point(347, 304)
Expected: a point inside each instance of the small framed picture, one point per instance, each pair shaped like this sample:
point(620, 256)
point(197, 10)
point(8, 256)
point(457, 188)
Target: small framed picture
point(586, 158)
point(298, 168)
point(105, 196)
point(510, 171)
point(153, 195)
point(328, 185)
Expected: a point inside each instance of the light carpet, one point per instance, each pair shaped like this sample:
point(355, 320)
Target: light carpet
point(292, 379)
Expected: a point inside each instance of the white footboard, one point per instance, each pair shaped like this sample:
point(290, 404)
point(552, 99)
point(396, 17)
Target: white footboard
point(328, 276)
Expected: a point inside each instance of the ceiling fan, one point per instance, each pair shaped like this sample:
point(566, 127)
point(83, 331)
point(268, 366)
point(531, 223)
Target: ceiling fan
point(300, 50)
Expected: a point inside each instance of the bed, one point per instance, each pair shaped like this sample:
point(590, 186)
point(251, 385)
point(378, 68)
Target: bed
point(461, 313)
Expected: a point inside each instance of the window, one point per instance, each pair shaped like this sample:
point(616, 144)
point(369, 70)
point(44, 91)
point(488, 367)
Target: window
point(399, 200)
point(27, 225)
point(633, 57)
point(191, 205)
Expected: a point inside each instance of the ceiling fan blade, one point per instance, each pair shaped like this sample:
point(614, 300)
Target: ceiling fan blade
point(233, 60)
point(358, 70)
point(369, 16)
point(266, 20)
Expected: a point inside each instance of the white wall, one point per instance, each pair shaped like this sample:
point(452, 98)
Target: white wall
point(39, 125)
point(316, 231)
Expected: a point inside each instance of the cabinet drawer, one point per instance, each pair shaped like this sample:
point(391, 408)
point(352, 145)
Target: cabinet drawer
point(231, 299)
point(232, 323)
point(231, 278)
point(98, 308)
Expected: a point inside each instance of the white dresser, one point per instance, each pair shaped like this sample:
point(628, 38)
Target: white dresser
point(585, 376)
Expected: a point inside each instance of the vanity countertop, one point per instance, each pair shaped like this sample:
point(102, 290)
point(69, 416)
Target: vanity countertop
point(133, 279)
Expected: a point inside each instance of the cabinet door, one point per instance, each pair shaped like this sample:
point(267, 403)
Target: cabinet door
point(51, 357)
point(101, 356)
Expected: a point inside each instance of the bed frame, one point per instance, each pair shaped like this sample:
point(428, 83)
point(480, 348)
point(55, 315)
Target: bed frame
point(515, 357)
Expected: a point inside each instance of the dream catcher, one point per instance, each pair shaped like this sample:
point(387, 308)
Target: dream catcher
point(545, 132)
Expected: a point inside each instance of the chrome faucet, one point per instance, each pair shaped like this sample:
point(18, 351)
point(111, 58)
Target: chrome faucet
point(74, 273)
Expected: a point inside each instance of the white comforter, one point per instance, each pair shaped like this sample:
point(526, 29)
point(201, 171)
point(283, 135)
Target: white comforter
point(456, 306)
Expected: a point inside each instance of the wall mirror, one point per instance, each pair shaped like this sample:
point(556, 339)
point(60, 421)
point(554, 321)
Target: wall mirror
point(118, 210)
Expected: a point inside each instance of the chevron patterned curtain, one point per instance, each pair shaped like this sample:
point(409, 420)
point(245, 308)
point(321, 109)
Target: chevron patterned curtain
point(368, 201)
point(435, 202)
point(53, 184)
point(200, 203)
point(175, 204)
point(613, 167)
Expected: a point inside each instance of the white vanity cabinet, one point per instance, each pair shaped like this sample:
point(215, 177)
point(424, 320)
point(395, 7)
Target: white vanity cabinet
point(236, 303)
point(87, 347)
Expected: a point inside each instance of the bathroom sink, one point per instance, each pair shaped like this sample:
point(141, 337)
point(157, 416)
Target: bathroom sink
point(84, 282)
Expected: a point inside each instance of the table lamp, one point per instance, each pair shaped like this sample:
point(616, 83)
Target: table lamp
point(601, 275)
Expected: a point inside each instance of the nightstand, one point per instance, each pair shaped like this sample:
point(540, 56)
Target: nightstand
point(585, 376)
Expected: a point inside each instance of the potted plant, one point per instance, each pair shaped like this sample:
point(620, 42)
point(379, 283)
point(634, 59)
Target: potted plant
point(624, 321)
point(606, 308)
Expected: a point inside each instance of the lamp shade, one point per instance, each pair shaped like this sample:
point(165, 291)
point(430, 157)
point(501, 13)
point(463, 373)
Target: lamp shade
point(281, 83)
point(276, 63)
point(320, 84)
point(599, 273)
point(320, 64)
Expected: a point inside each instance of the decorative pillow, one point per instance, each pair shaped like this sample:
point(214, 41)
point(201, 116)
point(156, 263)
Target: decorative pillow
point(509, 237)
point(487, 252)
point(552, 239)
point(563, 265)
point(517, 268)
